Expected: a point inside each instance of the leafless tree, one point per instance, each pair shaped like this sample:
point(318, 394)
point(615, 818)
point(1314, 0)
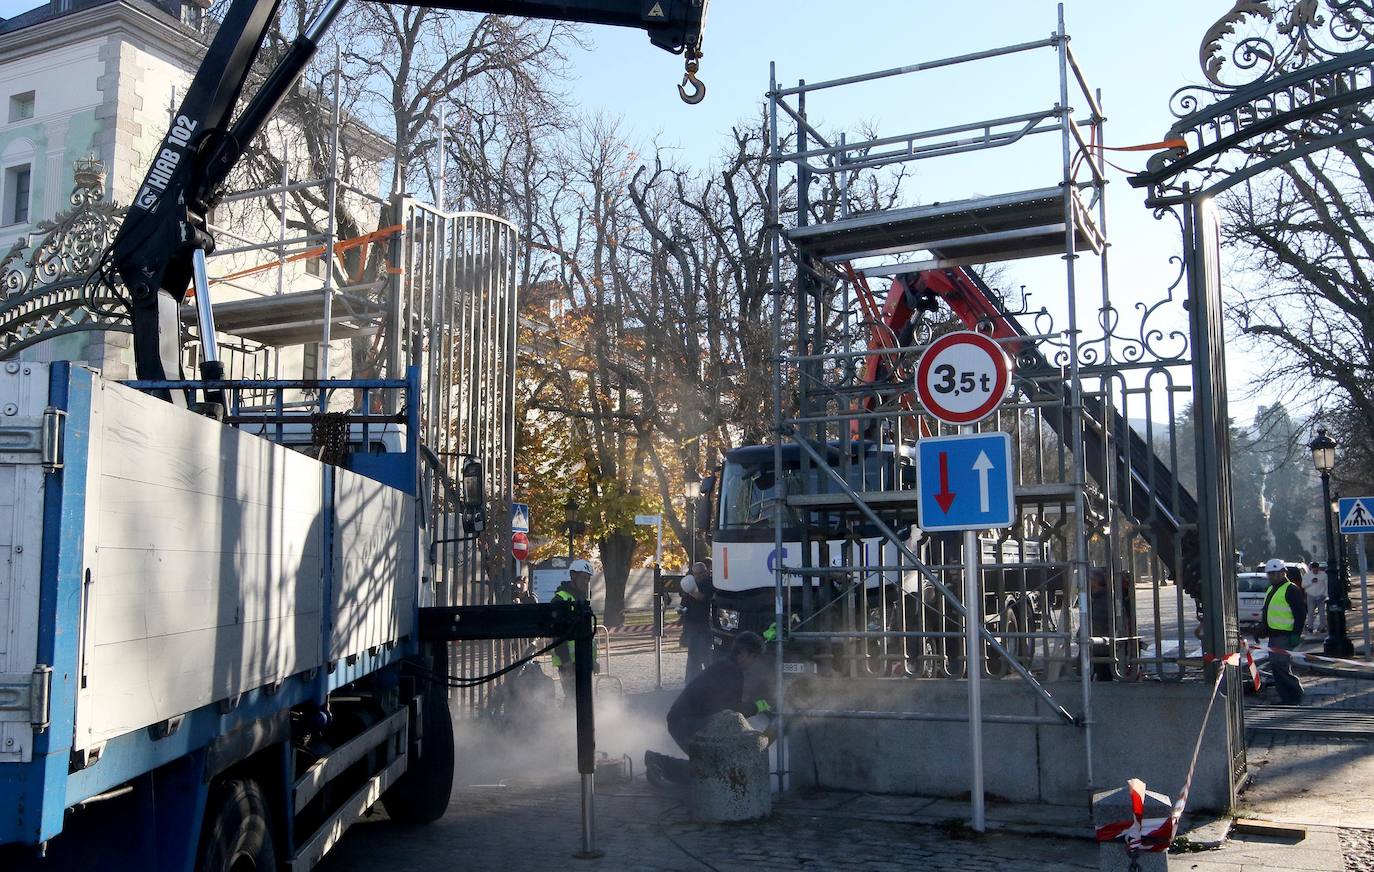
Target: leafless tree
point(1303, 237)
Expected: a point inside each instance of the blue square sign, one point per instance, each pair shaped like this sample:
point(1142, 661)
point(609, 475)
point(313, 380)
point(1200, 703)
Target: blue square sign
point(519, 518)
point(964, 482)
point(1357, 515)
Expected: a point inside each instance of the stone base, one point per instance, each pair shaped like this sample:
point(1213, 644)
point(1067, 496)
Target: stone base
point(729, 772)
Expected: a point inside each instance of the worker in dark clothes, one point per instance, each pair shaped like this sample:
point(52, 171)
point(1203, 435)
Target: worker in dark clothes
point(1281, 622)
point(577, 588)
point(720, 688)
point(697, 593)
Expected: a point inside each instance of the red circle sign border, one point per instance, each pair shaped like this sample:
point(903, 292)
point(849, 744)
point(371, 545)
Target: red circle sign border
point(999, 392)
point(519, 538)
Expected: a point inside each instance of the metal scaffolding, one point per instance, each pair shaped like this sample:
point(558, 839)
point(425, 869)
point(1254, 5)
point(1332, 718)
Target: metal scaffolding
point(865, 593)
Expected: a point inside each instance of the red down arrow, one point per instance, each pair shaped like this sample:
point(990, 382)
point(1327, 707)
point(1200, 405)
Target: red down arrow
point(944, 497)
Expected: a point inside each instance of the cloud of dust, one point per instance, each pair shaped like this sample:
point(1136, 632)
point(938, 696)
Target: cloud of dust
point(535, 739)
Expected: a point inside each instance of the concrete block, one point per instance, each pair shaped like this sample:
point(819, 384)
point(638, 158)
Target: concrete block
point(1140, 730)
point(910, 756)
point(729, 771)
point(118, 339)
point(1112, 806)
point(1145, 731)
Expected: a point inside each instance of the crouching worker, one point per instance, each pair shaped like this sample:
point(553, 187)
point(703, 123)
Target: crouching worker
point(721, 687)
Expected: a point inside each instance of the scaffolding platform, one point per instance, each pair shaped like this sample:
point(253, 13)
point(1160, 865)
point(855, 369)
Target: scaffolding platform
point(296, 318)
point(961, 232)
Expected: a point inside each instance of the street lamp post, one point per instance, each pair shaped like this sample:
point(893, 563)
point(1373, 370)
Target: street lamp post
point(1337, 643)
point(691, 491)
point(574, 526)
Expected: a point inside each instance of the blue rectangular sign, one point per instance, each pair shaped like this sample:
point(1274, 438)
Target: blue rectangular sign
point(519, 518)
point(964, 482)
point(1357, 514)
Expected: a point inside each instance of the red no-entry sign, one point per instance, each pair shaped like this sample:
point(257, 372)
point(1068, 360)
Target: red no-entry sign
point(519, 545)
point(963, 377)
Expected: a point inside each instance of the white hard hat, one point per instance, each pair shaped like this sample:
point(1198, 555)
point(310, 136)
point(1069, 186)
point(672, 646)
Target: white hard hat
point(579, 566)
point(688, 585)
point(1274, 565)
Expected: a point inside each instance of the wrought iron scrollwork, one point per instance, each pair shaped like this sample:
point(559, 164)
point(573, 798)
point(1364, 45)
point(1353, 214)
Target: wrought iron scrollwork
point(1259, 39)
point(1155, 335)
point(70, 244)
point(1276, 72)
point(43, 275)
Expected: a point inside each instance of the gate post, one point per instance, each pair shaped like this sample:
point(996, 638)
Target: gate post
point(1212, 440)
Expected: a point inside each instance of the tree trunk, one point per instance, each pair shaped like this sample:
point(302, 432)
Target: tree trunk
point(616, 551)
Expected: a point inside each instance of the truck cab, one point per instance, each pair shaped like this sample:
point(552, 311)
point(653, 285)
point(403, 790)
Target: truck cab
point(1022, 581)
point(744, 550)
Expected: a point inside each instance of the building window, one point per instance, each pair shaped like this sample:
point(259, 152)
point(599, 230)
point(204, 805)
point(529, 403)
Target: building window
point(16, 194)
point(193, 16)
point(21, 107)
point(314, 266)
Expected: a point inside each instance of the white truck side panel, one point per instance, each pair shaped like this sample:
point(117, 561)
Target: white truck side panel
point(205, 559)
point(23, 396)
point(374, 564)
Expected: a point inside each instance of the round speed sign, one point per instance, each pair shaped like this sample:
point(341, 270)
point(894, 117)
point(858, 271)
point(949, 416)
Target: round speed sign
point(963, 377)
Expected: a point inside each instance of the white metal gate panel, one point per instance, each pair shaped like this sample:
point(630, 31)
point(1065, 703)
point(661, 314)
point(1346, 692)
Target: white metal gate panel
point(23, 396)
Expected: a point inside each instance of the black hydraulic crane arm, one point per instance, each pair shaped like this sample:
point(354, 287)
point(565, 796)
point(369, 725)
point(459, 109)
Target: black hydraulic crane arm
point(165, 231)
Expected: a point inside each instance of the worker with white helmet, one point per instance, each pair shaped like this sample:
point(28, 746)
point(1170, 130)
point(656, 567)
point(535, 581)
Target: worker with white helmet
point(577, 587)
point(1281, 620)
point(698, 591)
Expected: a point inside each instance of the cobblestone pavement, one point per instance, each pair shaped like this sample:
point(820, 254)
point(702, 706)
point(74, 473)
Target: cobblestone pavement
point(527, 826)
point(1358, 846)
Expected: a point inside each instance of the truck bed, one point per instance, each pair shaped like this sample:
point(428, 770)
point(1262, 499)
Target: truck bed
point(185, 564)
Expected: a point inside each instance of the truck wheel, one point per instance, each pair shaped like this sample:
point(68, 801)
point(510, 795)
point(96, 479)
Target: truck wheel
point(1021, 648)
point(238, 837)
point(421, 795)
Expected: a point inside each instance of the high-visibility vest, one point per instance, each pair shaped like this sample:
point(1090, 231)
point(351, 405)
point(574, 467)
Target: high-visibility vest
point(1278, 615)
point(566, 654)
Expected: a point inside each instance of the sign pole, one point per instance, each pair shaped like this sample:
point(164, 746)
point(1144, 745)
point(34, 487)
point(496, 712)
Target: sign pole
point(658, 627)
point(1355, 517)
point(965, 482)
point(1364, 594)
point(973, 659)
point(656, 521)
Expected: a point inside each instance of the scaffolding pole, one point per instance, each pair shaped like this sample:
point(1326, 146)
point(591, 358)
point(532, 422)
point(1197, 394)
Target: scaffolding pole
point(331, 221)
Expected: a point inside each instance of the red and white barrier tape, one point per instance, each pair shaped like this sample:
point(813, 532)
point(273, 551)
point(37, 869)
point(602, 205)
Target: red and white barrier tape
point(1157, 834)
point(1308, 658)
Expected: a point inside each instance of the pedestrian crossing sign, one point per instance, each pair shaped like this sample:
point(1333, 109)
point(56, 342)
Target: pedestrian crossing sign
point(1357, 515)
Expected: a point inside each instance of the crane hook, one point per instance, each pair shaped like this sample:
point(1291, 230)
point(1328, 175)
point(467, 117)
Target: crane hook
point(697, 91)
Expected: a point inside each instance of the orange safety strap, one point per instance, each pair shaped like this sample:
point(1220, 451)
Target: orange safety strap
point(1148, 146)
point(341, 245)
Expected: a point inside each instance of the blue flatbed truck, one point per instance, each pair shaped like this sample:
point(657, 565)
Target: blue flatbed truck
point(211, 645)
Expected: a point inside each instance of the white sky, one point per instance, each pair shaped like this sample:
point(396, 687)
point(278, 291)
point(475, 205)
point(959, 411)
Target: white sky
point(11, 8)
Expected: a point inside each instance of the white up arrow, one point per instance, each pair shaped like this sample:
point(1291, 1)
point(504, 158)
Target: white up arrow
point(981, 466)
